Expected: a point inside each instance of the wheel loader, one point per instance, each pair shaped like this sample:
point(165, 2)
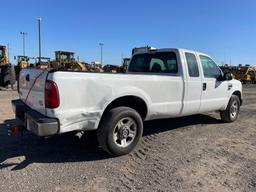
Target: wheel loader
point(65, 60)
point(23, 61)
point(7, 71)
point(246, 74)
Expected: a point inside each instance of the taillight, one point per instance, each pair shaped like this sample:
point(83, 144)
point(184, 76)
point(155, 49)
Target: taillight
point(52, 99)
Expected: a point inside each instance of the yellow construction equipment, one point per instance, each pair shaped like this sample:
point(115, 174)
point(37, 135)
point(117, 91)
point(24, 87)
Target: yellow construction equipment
point(65, 60)
point(246, 74)
point(111, 69)
point(117, 69)
point(43, 62)
point(3, 56)
point(7, 71)
point(96, 67)
point(23, 61)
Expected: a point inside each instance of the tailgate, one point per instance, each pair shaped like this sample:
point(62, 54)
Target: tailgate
point(31, 88)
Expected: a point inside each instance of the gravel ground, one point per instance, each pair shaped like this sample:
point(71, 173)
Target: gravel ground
point(196, 153)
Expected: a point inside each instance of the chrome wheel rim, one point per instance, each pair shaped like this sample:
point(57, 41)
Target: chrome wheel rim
point(234, 109)
point(125, 132)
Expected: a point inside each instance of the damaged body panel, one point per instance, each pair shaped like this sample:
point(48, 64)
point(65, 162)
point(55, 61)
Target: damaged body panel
point(83, 107)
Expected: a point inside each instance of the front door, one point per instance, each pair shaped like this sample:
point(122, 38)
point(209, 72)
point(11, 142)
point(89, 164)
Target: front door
point(214, 92)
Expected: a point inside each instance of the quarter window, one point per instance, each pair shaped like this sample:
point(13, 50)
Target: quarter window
point(192, 65)
point(210, 68)
point(158, 62)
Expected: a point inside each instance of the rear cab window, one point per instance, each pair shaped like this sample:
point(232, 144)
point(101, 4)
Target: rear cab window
point(157, 62)
point(192, 64)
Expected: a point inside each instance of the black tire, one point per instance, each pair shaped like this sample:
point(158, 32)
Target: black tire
point(109, 128)
point(231, 114)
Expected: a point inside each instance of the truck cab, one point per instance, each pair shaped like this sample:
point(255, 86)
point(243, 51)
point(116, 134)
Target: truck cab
point(205, 86)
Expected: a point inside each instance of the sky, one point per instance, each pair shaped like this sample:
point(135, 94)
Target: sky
point(224, 29)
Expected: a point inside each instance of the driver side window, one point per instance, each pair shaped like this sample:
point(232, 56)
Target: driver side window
point(211, 70)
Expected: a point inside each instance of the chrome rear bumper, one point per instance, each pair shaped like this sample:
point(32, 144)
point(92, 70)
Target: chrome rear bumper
point(34, 121)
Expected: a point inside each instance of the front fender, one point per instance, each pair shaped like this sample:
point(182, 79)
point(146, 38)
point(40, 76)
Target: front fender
point(236, 88)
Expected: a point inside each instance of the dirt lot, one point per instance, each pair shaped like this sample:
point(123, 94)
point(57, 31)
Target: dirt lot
point(197, 153)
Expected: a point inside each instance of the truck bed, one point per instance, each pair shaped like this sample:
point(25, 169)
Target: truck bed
point(84, 96)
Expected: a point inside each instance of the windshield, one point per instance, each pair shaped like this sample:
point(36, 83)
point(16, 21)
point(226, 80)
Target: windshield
point(159, 62)
point(64, 57)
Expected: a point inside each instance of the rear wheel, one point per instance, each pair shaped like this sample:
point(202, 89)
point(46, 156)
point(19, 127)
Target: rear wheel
point(232, 110)
point(120, 130)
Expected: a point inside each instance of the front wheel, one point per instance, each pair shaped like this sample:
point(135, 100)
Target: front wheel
point(232, 110)
point(120, 130)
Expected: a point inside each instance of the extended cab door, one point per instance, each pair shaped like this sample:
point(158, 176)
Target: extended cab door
point(160, 75)
point(193, 84)
point(214, 92)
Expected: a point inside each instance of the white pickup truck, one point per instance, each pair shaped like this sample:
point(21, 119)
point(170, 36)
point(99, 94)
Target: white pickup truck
point(159, 83)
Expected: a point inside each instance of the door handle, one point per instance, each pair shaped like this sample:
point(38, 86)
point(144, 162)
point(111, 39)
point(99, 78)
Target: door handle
point(230, 86)
point(204, 86)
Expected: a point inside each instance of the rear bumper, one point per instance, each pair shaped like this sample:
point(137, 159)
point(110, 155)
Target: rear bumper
point(34, 121)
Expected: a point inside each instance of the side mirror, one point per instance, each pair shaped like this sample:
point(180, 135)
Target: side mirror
point(228, 76)
point(225, 77)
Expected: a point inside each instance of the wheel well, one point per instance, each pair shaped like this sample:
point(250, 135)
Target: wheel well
point(238, 94)
point(133, 102)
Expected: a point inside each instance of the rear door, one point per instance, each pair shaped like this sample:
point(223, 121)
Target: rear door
point(31, 88)
point(215, 93)
point(193, 84)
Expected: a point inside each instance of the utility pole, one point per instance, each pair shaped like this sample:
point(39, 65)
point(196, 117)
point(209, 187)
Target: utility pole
point(122, 58)
point(39, 38)
point(23, 39)
point(101, 49)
